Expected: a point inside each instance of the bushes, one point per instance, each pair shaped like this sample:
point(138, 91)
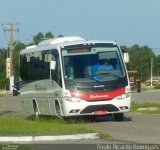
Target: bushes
point(4, 83)
point(157, 86)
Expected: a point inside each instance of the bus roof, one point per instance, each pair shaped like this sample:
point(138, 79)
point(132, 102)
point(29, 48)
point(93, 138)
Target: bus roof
point(61, 42)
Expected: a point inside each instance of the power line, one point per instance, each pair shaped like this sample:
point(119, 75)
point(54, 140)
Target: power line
point(10, 28)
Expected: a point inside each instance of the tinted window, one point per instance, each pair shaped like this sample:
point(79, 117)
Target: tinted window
point(35, 66)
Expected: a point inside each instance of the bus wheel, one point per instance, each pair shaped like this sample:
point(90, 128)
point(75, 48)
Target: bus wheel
point(35, 111)
point(58, 109)
point(118, 116)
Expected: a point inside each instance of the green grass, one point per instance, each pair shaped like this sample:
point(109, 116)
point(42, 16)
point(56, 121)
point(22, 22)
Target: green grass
point(1, 93)
point(157, 86)
point(41, 126)
point(44, 126)
point(135, 106)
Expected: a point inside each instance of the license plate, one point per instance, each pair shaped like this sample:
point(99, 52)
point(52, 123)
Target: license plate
point(100, 112)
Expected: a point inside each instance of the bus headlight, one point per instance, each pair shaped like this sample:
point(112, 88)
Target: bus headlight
point(123, 96)
point(67, 95)
point(73, 99)
point(68, 98)
point(76, 100)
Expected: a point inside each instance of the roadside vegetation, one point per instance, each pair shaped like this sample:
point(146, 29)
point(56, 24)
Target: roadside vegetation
point(157, 86)
point(40, 126)
point(147, 108)
point(44, 126)
point(137, 62)
point(1, 93)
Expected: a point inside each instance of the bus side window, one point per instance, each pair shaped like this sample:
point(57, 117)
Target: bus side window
point(56, 74)
point(23, 67)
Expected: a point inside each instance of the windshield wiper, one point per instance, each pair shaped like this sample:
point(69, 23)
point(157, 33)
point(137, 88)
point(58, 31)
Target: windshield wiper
point(92, 77)
point(87, 75)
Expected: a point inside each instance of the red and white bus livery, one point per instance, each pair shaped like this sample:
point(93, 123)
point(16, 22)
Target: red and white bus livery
point(71, 76)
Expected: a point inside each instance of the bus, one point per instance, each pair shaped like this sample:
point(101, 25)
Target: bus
point(66, 77)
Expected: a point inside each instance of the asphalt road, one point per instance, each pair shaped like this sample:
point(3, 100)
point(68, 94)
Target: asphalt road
point(11, 106)
point(152, 96)
point(136, 128)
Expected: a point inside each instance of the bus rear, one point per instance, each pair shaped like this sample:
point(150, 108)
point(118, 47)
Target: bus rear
point(95, 80)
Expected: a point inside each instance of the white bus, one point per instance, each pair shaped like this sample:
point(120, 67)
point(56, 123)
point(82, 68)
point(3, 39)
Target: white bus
point(71, 76)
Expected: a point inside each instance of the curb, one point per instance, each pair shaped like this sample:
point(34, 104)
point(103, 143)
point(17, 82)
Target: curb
point(49, 138)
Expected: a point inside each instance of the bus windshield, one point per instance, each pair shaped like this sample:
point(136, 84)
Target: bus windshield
point(92, 64)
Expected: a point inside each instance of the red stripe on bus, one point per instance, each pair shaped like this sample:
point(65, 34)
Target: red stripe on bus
point(98, 96)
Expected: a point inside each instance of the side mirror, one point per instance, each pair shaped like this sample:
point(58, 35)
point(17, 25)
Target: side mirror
point(53, 65)
point(126, 57)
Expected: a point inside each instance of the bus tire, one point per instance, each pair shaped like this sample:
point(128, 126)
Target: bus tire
point(58, 109)
point(35, 111)
point(118, 116)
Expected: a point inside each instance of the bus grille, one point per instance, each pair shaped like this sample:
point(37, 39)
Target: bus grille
point(93, 108)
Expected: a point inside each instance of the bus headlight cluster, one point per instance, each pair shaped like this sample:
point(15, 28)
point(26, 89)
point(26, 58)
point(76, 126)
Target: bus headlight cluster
point(123, 96)
point(73, 99)
point(76, 100)
point(68, 98)
point(67, 95)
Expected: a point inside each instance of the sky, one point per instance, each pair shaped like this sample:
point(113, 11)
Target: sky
point(127, 21)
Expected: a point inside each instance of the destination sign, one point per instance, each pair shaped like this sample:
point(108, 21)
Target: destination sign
point(78, 50)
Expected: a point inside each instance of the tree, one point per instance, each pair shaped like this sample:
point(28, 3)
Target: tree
point(124, 48)
point(60, 35)
point(3, 54)
point(140, 60)
point(16, 52)
point(38, 38)
point(49, 35)
point(158, 65)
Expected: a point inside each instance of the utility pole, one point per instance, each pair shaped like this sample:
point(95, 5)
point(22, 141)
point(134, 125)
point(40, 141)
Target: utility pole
point(151, 72)
point(10, 28)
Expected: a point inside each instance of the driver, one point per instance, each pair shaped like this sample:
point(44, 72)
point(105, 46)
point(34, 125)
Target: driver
point(102, 65)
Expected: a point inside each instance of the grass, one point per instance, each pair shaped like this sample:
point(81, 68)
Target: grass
point(135, 106)
point(41, 126)
point(1, 93)
point(157, 86)
point(44, 126)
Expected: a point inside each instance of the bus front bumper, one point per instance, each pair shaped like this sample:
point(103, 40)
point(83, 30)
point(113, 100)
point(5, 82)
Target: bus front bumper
point(81, 107)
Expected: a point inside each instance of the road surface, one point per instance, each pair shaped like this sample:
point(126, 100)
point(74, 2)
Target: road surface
point(152, 96)
point(136, 128)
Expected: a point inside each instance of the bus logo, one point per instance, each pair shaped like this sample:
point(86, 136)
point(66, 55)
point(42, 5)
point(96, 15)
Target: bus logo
point(98, 96)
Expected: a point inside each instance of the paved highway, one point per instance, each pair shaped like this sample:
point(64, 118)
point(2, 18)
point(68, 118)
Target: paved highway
point(136, 128)
point(152, 96)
